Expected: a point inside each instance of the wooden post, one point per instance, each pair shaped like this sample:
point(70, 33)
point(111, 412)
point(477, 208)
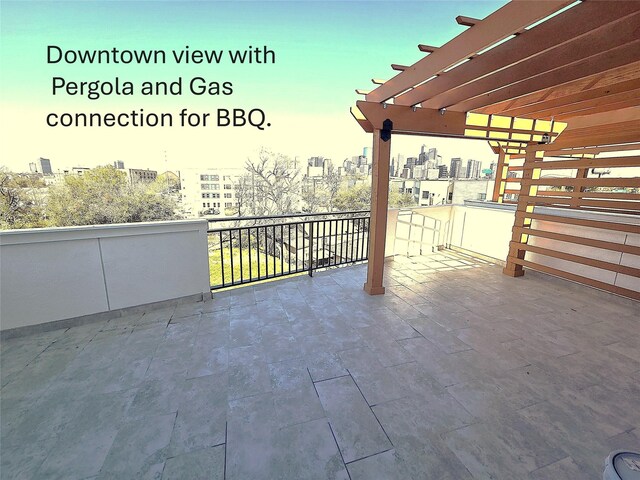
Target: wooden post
point(379, 207)
point(500, 177)
point(575, 201)
point(515, 253)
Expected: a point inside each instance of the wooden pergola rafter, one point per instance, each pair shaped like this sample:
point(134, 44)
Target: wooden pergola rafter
point(526, 70)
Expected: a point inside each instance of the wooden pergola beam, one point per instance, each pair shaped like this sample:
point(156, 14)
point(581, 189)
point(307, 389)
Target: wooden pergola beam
point(581, 20)
point(623, 132)
point(467, 21)
point(506, 21)
point(601, 62)
point(631, 114)
point(610, 78)
point(564, 57)
point(426, 48)
point(597, 96)
point(407, 120)
point(361, 119)
point(553, 151)
point(604, 107)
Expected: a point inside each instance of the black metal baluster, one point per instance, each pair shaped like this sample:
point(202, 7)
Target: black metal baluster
point(330, 249)
point(353, 239)
point(317, 240)
point(258, 249)
point(249, 247)
point(289, 245)
point(362, 243)
point(341, 241)
point(266, 253)
point(311, 249)
point(240, 241)
point(358, 240)
point(231, 256)
point(222, 258)
point(368, 235)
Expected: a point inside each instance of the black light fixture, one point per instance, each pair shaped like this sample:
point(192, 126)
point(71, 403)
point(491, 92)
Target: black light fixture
point(546, 138)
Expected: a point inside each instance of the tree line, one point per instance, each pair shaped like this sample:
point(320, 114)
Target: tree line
point(101, 195)
point(272, 184)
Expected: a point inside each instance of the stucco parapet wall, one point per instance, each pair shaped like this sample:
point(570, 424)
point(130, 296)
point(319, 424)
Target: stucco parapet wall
point(560, 212)
point(83, 232)
point(493, 205)
point(53, 274)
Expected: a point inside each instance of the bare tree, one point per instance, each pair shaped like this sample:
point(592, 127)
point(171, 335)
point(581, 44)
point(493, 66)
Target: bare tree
point(244, 196)
point(333, 182)
point(275, 182)
point(22, 200)
point(271, 186)
point(319, 193)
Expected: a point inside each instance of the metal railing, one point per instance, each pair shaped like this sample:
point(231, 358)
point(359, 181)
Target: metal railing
point(260, 248)
point(422, 231)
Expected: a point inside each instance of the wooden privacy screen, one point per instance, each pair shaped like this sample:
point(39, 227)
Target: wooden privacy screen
point(575, 226)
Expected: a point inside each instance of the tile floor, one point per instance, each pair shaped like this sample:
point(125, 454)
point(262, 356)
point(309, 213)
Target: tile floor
point(458, 372)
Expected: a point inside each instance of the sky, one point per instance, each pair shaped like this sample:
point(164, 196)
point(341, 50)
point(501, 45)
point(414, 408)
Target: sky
point(323, 52)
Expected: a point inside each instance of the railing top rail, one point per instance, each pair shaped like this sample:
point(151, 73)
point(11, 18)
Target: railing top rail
point(284, 224)
point(291, 215)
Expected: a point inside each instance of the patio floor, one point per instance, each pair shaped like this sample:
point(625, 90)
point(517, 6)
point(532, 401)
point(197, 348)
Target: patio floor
point(458, 372)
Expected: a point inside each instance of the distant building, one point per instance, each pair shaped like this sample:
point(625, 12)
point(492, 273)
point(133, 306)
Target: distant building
point(411, 163)
point(443, 171)
point(443, 191)
point(432, 158)
point(471, 189)
point(494, 168)
point(455, 170)
point(138, 175)
point(399, 165)
point(79, 170)
point(473, 169)
point(209, 192)
point(119, 164)
point(422, 156)
point(318, 167)
point(42, 165)
point(358, 165)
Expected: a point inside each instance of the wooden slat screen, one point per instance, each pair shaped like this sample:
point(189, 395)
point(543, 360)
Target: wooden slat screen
point(574, 239)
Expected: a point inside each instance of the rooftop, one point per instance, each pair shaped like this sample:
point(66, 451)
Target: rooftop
point(458, 372)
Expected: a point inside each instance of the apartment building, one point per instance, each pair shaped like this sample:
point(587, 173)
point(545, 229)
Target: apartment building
point(209, 192)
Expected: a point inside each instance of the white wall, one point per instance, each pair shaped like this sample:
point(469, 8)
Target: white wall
point(602, 275)
point(467, 189)
point(59, 273)
point(481, 229)
point(487, 229)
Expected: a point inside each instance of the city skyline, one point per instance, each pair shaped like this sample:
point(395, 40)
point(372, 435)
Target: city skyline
point(322, 55)
point(56, 167)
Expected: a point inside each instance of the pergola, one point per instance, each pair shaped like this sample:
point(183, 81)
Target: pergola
point(558, 79)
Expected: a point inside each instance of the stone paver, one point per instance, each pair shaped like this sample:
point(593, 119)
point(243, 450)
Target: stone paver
point(458, 372)
point(354, 425)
